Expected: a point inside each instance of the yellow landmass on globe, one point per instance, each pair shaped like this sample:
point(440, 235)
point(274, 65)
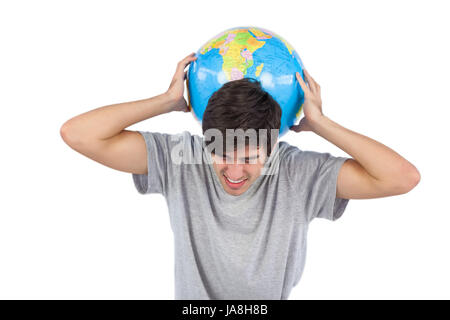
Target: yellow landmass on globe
point(259, 69)
point(298, 112)
point(288, 46)
point(237, 47)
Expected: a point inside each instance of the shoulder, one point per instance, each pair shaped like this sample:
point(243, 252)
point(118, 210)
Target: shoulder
point(288, 153)
point(185, 138)
point(186, 147)
point(173, 146)
point(304, 164)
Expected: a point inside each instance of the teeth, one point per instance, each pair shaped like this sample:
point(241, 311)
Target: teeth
point(234, 181)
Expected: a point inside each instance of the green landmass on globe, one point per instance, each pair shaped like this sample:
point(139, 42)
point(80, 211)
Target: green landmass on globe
point(247, 52)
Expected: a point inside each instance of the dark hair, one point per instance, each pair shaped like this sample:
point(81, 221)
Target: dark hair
point(243, 104)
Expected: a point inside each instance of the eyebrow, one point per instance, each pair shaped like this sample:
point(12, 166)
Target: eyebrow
point(246, 158)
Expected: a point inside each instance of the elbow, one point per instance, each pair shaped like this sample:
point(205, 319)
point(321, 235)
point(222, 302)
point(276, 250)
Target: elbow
point(68, 134)
point(415, 178)
point(64, 131)
point(408, 180)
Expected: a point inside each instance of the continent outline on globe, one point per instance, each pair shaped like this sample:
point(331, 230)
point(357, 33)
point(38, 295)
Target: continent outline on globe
point(247, 52)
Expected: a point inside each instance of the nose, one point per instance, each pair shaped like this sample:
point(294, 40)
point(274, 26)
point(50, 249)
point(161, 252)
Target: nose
point(235, 171)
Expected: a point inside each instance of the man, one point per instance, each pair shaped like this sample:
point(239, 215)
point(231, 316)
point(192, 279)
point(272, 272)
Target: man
point(240, 226)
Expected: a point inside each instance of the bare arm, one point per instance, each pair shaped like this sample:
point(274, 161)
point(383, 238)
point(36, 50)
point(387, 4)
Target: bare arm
point(100, 134)
point(375, 170)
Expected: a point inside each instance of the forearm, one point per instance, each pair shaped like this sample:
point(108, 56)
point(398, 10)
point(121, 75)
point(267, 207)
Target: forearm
point(381, 162)
point(108, 121)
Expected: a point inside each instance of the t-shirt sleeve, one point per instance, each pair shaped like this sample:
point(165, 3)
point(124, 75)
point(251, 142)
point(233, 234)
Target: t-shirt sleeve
point(316, 175)
point(162, 162)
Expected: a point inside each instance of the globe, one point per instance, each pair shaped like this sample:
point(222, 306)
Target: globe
point(245, 52)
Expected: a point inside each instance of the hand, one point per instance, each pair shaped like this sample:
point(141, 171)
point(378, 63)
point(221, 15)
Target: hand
point(176, 88)
point(312, 106)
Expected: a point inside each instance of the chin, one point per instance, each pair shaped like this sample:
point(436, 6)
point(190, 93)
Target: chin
point(235, 192)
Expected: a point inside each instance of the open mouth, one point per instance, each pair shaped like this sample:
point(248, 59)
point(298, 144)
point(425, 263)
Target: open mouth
point(234, 184)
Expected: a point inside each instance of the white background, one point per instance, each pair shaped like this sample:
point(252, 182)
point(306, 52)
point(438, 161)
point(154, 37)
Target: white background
point(71, 228)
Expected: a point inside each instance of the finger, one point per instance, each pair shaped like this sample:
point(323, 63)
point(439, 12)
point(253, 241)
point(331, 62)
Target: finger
point(302, 83)
point(314, 84)
point(309, 81)
point(295, 128)
point(301, 126)
point(189, 59)
point(189, 56)
point(184, 63)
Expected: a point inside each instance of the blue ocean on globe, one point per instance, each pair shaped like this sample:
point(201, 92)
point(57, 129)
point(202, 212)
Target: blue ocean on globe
point(247, 52)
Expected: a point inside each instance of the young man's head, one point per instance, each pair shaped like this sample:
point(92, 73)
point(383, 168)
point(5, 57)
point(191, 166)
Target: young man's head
point(238, 125)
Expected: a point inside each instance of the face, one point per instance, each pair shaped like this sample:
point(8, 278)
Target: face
point(237, 170)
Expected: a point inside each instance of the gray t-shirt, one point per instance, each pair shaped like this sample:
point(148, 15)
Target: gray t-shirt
point(251, 246)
